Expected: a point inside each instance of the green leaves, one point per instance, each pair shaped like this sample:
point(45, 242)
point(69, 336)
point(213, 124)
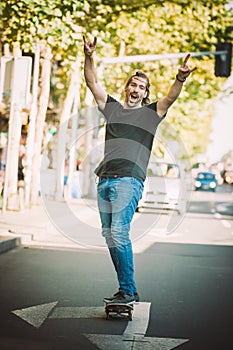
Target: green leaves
point(132, 27)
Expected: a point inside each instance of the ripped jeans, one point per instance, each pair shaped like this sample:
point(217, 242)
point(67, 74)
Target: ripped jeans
point(117, 201)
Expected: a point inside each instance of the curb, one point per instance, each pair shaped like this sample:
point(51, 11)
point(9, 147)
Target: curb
point(7, 243)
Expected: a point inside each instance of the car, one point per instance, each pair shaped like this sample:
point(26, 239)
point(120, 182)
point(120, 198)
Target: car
point(205, 180)
point(165, 188)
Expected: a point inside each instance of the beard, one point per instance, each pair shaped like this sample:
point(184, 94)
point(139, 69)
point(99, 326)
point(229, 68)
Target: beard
point(133, 100)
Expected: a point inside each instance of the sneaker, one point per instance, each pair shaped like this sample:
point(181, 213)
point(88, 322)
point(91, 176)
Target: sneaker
point(115, 296)
point(119, 294)
point(121, 298)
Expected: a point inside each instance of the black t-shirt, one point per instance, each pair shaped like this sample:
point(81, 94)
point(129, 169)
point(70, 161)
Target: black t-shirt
point(128, 139)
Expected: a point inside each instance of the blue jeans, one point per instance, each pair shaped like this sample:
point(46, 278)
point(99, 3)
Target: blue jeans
point(117, 201)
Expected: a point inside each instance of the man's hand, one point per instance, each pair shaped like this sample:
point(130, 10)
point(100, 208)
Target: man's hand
point(184, 71)
point(89, 47)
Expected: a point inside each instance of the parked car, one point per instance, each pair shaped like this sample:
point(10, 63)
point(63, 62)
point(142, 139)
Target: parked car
point(205, 181)
point(165, 188)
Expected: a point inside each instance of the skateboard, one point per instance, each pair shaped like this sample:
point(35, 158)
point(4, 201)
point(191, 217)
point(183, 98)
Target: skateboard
point(118, 310)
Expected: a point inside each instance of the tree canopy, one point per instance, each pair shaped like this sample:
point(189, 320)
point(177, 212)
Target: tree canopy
point(132, 27)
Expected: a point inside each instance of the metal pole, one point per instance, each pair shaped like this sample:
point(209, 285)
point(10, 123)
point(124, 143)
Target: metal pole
point(144, 58)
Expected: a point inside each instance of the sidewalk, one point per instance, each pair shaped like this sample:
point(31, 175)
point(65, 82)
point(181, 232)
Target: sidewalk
point(37, 227)
point(76, 225)
point(71, 225)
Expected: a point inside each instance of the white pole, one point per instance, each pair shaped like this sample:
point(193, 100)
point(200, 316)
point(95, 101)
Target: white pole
point(144, 58)
point(31, 127)
point(14, 118)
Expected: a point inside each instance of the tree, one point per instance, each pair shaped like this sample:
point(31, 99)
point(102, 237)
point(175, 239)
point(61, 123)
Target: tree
point(40, 119)
point(183, 26)
point(130, 27)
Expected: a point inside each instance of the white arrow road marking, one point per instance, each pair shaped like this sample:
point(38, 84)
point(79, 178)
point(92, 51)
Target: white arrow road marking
point(78, 312)
point(117, 342)
point(132, 338)
point(141, 315)
point(35, 315)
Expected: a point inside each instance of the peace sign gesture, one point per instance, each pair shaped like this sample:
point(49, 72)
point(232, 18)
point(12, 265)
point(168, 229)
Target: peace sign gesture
point(184, 71)
point(89, 47)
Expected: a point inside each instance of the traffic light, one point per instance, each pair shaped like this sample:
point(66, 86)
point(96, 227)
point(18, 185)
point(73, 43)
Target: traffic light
point(223, 61)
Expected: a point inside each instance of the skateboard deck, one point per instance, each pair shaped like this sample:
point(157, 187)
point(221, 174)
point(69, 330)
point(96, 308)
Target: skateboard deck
point(118, 310)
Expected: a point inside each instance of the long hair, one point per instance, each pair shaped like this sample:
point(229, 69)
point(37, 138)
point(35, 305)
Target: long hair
point(140, 74)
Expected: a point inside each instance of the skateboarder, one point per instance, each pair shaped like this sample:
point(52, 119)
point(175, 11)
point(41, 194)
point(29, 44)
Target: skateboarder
point(130, 130)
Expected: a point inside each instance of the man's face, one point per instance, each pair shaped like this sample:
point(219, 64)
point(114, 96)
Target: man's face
point(135, 92)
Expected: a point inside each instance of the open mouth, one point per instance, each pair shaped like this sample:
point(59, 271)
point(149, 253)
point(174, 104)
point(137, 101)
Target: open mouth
point(133, 97)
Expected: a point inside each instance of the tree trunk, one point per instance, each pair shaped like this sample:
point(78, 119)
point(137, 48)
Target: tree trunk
point(74, 132)
point(62, 133)
point(31, 128)
point(40, 120)
point(88, 142)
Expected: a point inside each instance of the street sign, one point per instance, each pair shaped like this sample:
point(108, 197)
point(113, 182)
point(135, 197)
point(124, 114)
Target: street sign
point(5, 79)
point(15, 80)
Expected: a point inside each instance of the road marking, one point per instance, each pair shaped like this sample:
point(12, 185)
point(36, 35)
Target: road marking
point(117, 342)
point(226, 223)
point(141, 316)
point(134, 335)
point(132, 338)
point(77, 312)
point(35, 315)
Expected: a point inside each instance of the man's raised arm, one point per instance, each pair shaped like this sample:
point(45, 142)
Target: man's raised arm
point(90, 75)
point(183, 72)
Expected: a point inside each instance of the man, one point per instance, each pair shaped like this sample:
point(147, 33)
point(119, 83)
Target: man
point(130, 130)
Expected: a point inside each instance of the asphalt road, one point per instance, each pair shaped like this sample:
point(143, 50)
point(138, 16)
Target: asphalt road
point(189, 288)
point(209, 202)
point(52, 299)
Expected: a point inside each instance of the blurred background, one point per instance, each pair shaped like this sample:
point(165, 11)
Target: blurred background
point(51, 135)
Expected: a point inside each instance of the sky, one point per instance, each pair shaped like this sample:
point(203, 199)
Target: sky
point(222, 125)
